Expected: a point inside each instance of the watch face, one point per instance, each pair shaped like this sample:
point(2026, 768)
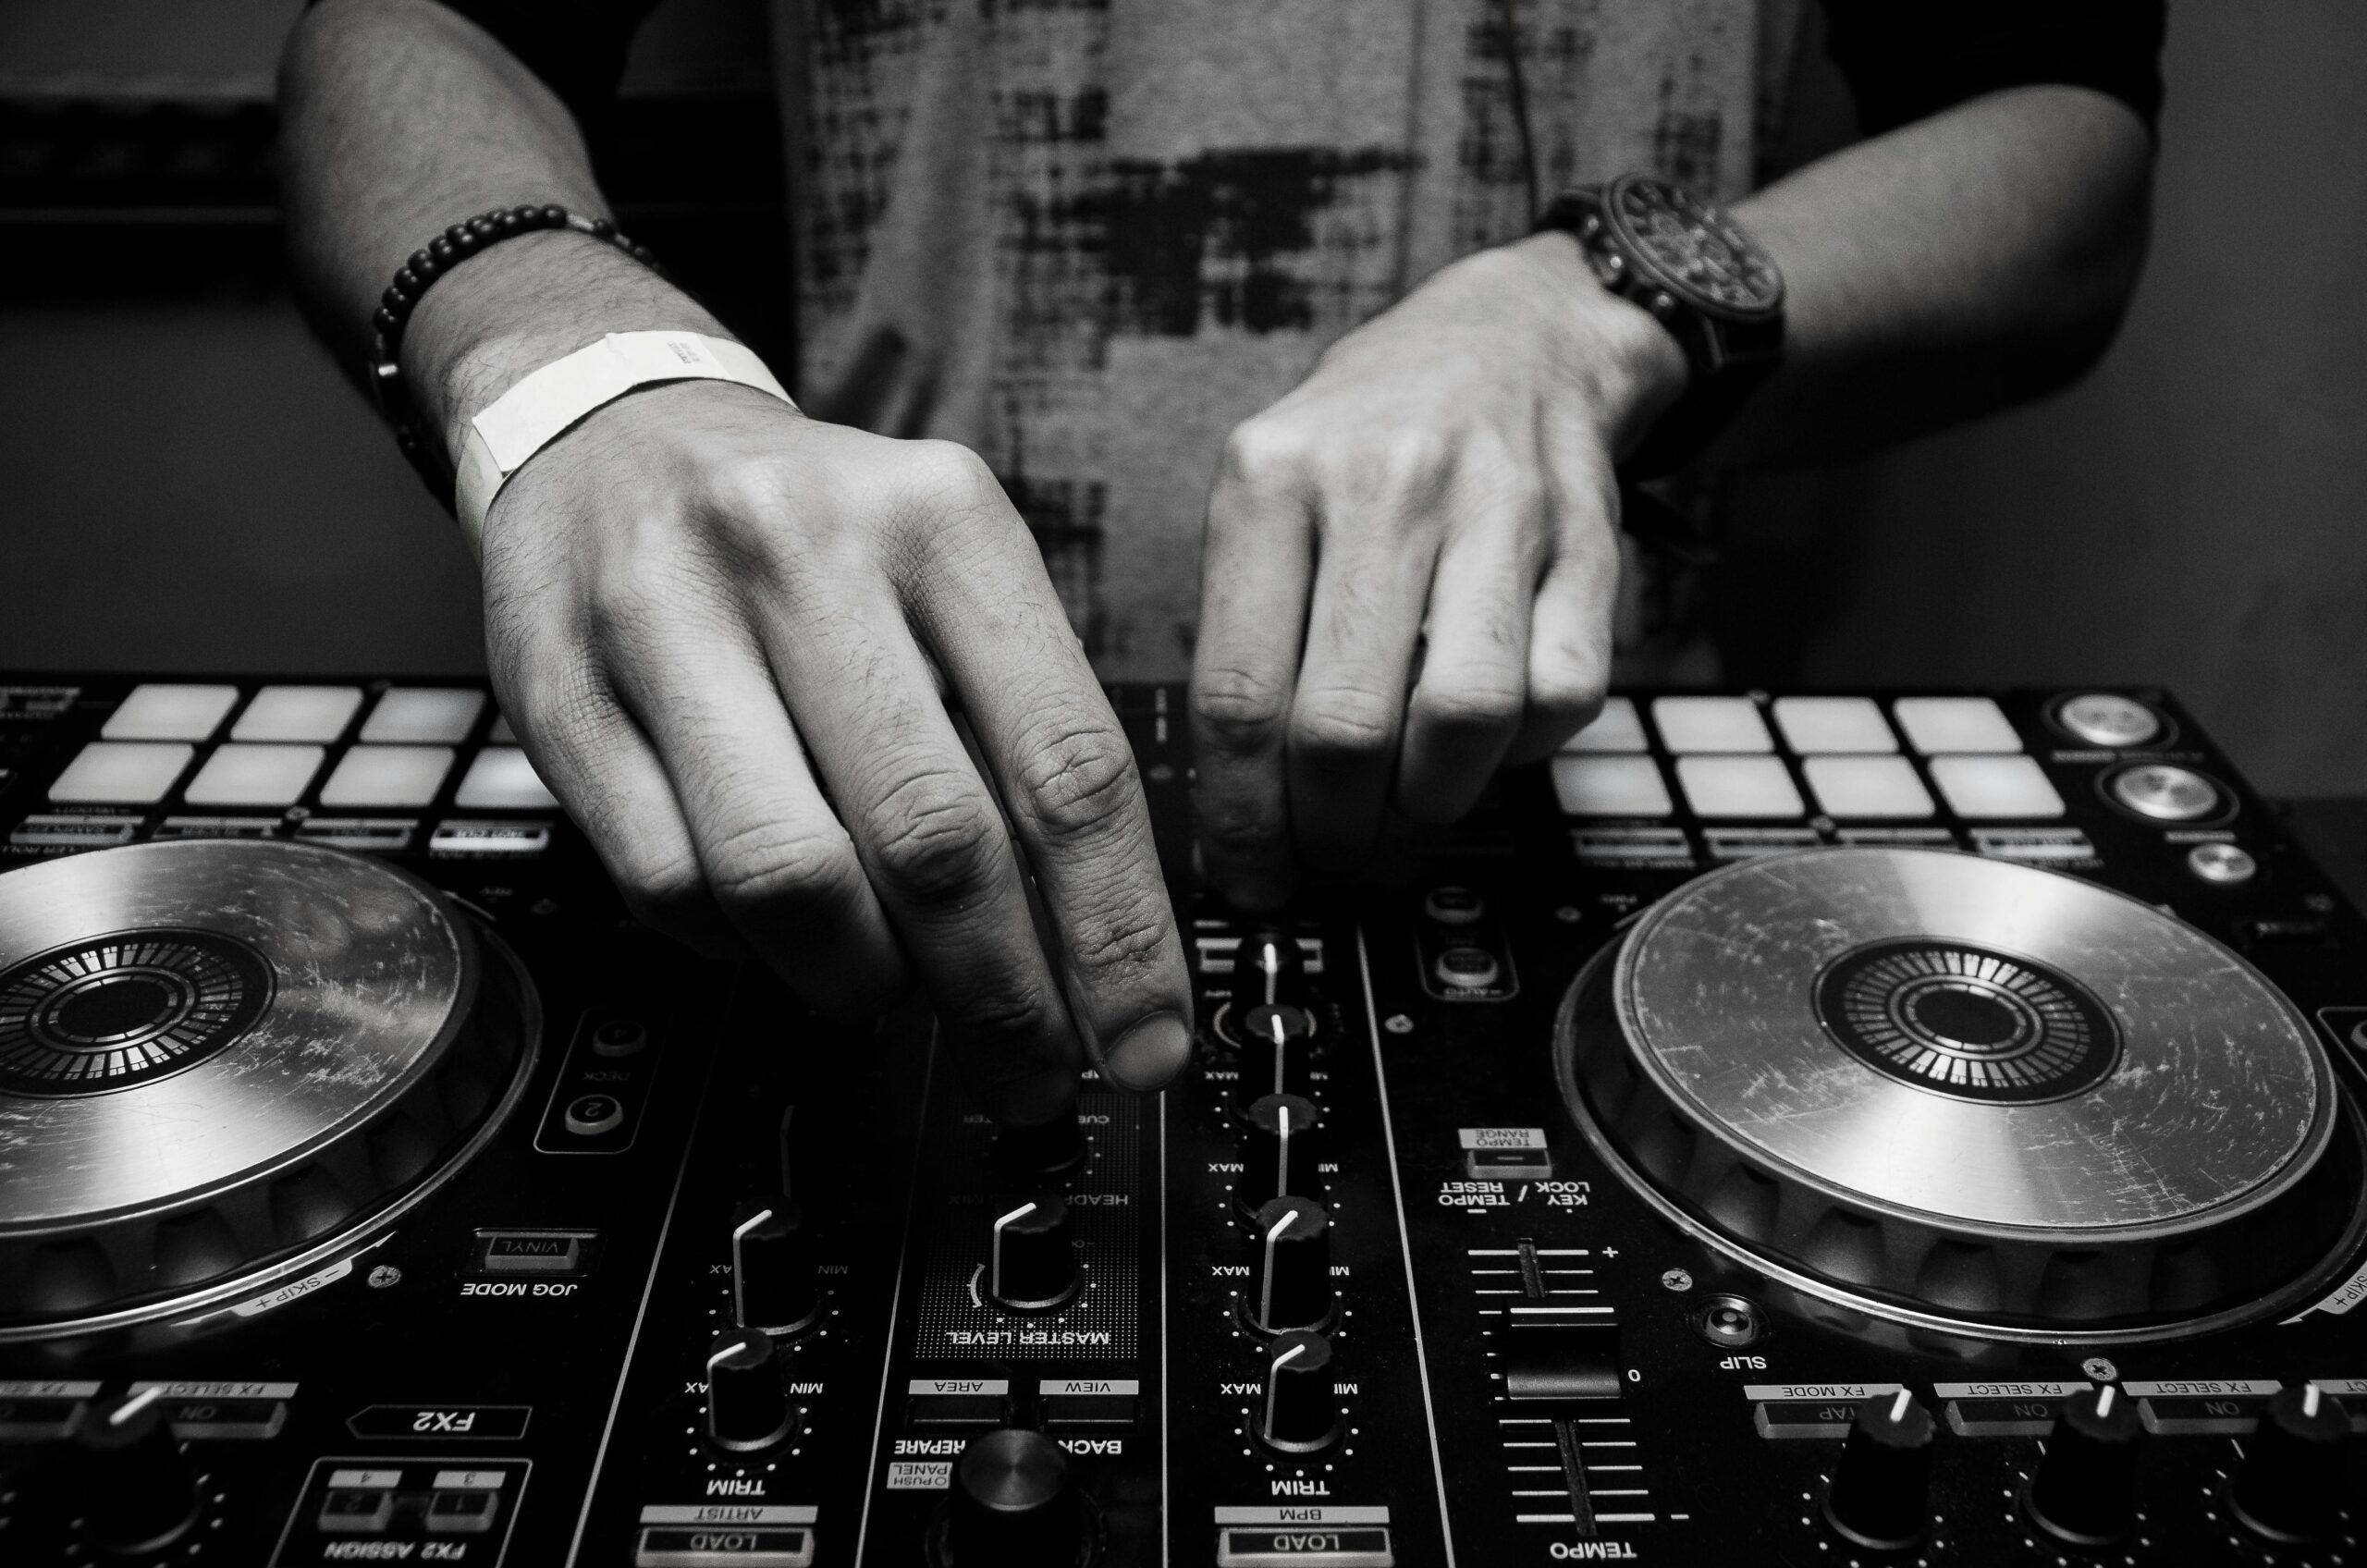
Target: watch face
point(1692, 249)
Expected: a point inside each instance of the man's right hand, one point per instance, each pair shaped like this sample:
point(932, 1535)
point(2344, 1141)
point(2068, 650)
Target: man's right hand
point(732, 640)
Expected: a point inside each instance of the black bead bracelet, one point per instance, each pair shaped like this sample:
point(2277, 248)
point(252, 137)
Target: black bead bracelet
point(414, 279)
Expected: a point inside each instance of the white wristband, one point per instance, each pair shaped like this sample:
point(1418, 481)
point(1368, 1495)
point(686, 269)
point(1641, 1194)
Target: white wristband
point(541, 408)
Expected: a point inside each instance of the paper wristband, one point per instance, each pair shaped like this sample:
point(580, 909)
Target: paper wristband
point(533, 413)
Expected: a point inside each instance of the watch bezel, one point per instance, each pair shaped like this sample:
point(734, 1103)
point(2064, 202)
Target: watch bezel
point(1646, 268)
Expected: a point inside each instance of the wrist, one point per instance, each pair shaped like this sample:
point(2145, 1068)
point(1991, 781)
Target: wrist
point(1629, 367)
point(517, 306)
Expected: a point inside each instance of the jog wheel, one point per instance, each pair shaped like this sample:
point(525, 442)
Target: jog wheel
point(225, 1063)
point(1967, 1094)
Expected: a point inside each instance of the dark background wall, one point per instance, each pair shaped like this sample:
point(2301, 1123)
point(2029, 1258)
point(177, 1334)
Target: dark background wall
point(186, 484)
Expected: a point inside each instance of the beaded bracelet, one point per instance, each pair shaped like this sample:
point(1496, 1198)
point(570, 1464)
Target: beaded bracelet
point(417, 274)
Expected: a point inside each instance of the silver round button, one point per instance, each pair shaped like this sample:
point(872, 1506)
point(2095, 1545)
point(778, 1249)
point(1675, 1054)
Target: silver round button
point(2167, 793)
point(1466, 968)
point(2223, 864)
point(2106, 718)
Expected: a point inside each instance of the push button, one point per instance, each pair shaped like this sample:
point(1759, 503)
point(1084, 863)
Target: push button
point(242, 775)
point(1833, 724)
point(1615, 728)
point(958, 1405)
point(1309, 1545)
point(423, 715)
point(1089, 1404)
point(1739, 786)
point(1710, 724)
point(356, 1512)
point(2223, 864)
point(169, 713)
point(2167, 793)
point(1623, 786)
point(588, 1116)
point(128, 773)
point(723, 1546)
point(387, 775)
point(1883, 787)
point(462, 1512)
point(298, 712)
point(2106, 718)
point(1956, 724)
point(502, 779)
point(1991, 787)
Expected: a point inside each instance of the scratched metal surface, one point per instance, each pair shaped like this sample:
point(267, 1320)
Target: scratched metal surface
point(2221, 1097)
point(368, 970)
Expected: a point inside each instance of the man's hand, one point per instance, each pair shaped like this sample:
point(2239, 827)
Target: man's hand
point(730, 636)
point(1411, 562)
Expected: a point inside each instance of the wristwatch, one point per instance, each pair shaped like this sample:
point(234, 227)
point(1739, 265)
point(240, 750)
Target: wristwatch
point(1702, 277)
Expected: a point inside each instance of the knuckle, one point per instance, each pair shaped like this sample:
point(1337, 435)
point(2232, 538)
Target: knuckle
point(1077, 781)
point(1262, 448)
point(779, 869)
point(936, 837)
point(949, 476)
point(1237, 709)
point(1470, 704)
point(1343, 721)
point(1012, 1015)
point(661, 891)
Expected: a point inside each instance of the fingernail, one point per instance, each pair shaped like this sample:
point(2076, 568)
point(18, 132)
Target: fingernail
point(1025, 1102)
point(1150, 1054)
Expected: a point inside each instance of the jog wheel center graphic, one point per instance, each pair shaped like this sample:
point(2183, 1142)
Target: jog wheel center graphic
point(111, 1012)
point(1966, 1022)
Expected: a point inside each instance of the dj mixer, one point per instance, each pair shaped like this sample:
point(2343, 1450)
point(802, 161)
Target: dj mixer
point(1912, 1127)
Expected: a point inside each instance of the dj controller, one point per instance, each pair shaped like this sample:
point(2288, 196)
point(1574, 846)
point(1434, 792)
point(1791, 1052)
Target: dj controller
point(1899, 1128)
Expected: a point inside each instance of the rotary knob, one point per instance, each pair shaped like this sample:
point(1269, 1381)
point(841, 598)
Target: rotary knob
point(774, 1287)
point(1015, 1504)
point(1053, 1148)
point(1032, 1265)
point(1275, 1047)
point(1285, 1133)
point(1881, 1496)
point(747, 1408)
point(2289, 1489)
point(139, 1493)
point(2085, 1491)
point(1268, 970)
point(1290, 1267)
point(1300, 1413)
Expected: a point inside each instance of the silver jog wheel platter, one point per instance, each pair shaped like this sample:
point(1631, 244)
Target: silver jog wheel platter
point(223, 1062)
point(1965, 1095)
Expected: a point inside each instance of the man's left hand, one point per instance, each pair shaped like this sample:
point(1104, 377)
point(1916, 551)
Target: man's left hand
point(1411, 559)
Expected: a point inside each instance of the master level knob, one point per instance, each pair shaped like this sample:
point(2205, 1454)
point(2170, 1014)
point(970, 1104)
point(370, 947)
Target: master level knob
point(1290, 1266)
point(1031, 1264)
point(2289, 1488)
point(773, 1284)
point(139, 1493)
point(1013, 1505)
point(1881, 1496)
point(2085, 1491)
point(1285, 1133)
point(1300, 1413)
point(1267, 970)
point(747, 1409)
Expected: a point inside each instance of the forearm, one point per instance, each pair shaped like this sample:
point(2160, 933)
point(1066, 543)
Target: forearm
point(1956, 265)
point(400, 118)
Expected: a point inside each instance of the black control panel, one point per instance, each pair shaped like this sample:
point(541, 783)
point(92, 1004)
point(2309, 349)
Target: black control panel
point(729, 1286)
